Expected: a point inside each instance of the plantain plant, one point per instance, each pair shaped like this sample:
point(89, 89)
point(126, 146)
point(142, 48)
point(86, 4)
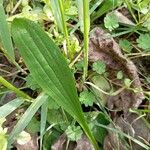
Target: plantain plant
point(49, 69)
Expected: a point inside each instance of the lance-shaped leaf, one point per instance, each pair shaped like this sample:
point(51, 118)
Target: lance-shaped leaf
point(49, 68)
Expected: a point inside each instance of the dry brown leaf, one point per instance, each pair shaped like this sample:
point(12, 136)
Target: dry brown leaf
point(104, 48)
point(81, 144)
point(132, 125)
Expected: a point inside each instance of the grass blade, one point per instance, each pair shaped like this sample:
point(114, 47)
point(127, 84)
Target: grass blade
point(80, 14)
point(57, 8)
point(130, 9)
point(91, 11)
point(43, 122)
point(125, 135)
point(57, 14)
point(5, 37)
point(53, 73)
point(107, 5)
point(8, 108)
point(26, 118)
point(86, 35)
point(65, 31)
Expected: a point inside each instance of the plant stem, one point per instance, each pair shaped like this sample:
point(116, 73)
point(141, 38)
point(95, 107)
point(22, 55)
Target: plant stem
point(13, 88)
point(86, 35)
point(130, 9)
point(64, 26)
point(96, 5)
point(12, 60)
point(16, 6)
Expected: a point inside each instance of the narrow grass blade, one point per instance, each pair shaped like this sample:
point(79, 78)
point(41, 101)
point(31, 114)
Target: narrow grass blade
point(5, 37)
point(125, 135)
point(43, 122)
point(107, 5)
point(65, 31)
point(86, 35)
point(80, 14)
point(49, 68)
point(127, 2)
point(91, 11)
point(57, 8)
point(8, 108)
point(57, 14)
point(27, 116)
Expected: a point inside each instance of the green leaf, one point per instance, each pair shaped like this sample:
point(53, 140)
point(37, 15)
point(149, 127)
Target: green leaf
point(94, 7)
point(86, 24)
point(8, 108)
point(1, 2)
point(87, 98)
point(54, 6)
point(33, 126)
point(49, 68)
point(125, 45)
point(74, 45)
point(100, 133)
point(148, 79)
point(52, 119)
point(103, 84)
point(127, 82)
point(143, 6)
point(27, 116)
point(49, 138)
point(147, 24)
point(5, 37)
point(105, 7)
point(3, 142)
point(79, 65)
point(25, 3)
point(52, 104)
point(3, 137)
point(120, 75)
point(53, 74)
point(30, 82)
point(80, 14)
point(111, 21)
point(44, 109)
point(71, 11)
point(99, 67)
point(144, 41)
point(74, 133)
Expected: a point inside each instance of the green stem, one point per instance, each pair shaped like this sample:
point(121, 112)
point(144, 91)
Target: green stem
point(96, 5)
point(16, 6)
point(64, 26)
point(13, 88)
point(130, 9)
point(12, 60)
point(86, 36)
